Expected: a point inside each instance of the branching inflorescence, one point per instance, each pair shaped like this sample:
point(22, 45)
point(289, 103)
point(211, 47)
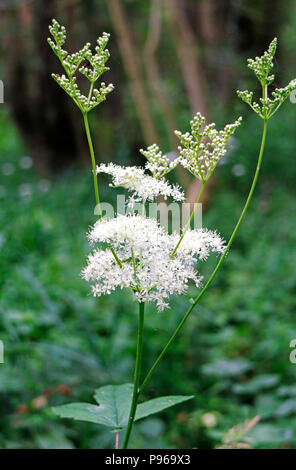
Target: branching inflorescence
point(92, 66)
point(143, 186)
point(262, 67)
point(145, 249)
point(202, 148)
point(132, 251)
point(158, 163)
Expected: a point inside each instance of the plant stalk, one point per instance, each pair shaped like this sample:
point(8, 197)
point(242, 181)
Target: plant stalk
point(136, 376)
point(187, 226)
point(197, 299)
point(93, 161)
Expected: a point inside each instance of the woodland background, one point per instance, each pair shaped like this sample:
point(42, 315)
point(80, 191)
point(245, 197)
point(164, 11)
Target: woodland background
point(169, 59)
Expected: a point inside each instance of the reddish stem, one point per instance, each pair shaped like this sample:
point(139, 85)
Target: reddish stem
point(117, 440)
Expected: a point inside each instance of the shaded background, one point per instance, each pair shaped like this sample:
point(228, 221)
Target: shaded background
point(169, 59)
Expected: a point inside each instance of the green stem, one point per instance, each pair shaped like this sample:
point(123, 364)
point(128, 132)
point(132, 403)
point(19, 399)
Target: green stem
point(93, 161)
point(136, 392)
point(191, 218)
point(197, 299)
point(143, 215)
point(90, 93)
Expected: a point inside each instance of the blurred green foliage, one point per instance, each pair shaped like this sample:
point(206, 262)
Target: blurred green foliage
point(61, 343)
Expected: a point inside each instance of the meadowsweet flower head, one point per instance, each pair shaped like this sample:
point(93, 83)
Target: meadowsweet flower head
point(158, 164)
point(147, 266)
point(144, 187)
point(262, 67)
point(202, 149)
point(91, 65)
point(201, 243)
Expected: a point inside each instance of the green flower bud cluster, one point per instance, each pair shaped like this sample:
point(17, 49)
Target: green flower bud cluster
point(262, 67)
point(92, 66)
point(158, 164)
point(202, 149)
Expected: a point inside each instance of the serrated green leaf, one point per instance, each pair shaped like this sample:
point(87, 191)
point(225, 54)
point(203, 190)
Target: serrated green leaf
point(114, 402)
point(113, 410)
point(82, 412)
point(158, 404)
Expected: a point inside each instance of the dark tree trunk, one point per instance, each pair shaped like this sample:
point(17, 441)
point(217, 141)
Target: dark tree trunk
point(41, 111)
point(131, 62)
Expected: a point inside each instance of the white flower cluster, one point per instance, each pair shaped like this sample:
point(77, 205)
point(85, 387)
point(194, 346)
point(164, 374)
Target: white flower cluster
point(262, 66)
point(72, 62)
point(158, 164)
point(143, 186)
point(202, 149)
point(200, 242)
point(145, 251)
